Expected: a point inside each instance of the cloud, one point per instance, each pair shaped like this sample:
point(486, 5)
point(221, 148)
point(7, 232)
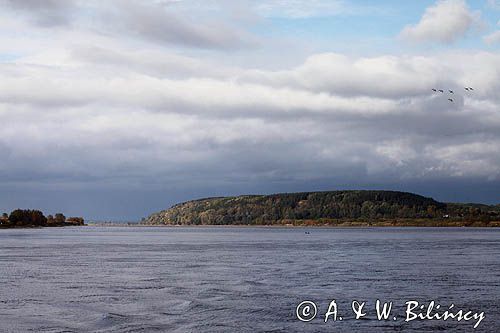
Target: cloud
point(445, 22)
point(155, 22)
point(384, 76)
point(150, 62)
point(493, 38)
point(495, 4)
point(300, 8)
point(47, 13)
point(127, 125)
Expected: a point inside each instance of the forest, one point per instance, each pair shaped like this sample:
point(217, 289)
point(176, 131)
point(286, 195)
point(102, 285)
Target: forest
point(327, 208)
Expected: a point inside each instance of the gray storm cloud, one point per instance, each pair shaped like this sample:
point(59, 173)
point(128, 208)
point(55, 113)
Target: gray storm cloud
point(127, 122)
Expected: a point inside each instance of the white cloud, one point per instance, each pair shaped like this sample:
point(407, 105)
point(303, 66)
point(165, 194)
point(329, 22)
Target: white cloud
point(495, 4)
point(445, 22)
point(384, 76)
point(300, 8)
point(493, 38)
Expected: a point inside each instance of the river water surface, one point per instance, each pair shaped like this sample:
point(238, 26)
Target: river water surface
point(237, 279)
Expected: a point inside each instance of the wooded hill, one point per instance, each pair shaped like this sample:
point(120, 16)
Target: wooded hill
point(326, 208)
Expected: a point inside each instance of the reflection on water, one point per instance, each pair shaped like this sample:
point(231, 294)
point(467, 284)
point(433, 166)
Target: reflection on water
point(128, 279)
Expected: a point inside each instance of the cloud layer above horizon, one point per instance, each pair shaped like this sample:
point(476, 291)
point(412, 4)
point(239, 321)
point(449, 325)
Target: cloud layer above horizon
point(174, 95)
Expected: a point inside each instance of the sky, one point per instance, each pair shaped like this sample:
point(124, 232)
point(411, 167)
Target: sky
point(115, 109)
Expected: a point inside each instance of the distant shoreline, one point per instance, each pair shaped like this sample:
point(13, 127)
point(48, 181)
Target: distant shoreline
point(268, 226)
point(341, 226)
point(345, 208)
point(41, 227)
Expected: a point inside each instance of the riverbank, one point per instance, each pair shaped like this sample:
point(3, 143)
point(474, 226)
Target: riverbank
point(344, 224)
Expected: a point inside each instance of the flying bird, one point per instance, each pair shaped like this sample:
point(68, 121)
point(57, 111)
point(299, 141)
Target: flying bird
point(466, 88)
point(434, 90)
point(440, 90)
point(451, 91)
point(450, 99)
point(470, 88)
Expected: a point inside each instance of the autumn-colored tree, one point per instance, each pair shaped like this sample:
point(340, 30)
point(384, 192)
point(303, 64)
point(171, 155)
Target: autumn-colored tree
point(60, 218)
point(75, 220)
point(50, 220)
point(26, 217)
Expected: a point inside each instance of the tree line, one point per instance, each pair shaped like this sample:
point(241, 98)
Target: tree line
point(331, 206)
point(35, 218)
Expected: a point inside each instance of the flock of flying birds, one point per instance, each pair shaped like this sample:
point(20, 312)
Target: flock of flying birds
point(451, 91)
